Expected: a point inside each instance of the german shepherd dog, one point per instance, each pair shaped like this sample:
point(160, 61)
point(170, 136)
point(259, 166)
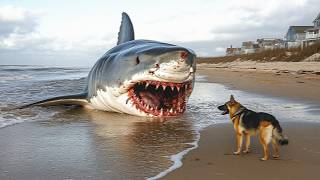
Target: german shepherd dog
point(247, 122)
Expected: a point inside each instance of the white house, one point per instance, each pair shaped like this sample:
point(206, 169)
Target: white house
point(270, 43)
point(295, 36)
point(313, 34)
point(249, 47)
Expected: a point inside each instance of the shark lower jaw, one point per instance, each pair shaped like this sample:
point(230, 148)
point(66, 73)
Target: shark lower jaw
point(162, 99)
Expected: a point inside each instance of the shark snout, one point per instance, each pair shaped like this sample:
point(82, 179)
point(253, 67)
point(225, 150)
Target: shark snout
point(176, 67)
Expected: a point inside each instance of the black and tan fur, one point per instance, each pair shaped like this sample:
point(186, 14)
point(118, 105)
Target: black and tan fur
point(247, 123)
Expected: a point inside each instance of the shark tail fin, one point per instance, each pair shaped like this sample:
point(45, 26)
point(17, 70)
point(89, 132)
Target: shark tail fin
point(126, 32)
point(77, 99)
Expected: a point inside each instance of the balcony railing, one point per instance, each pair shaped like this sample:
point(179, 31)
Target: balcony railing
point(312, 36)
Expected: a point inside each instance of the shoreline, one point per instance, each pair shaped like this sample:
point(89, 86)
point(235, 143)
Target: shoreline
point(300, 160)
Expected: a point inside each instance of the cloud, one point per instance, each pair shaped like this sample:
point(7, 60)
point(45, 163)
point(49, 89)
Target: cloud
point(80, 37)
point(22, 43)
point(269, 19)
point(249, 20)
point(15, 20)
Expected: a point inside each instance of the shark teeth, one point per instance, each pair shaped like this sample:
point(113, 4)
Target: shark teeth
point(191, 70)
point(161, 112)
point(157, 98)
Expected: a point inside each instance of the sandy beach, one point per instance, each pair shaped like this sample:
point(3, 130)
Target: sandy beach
point(212, 160)
point(299, 160)
point(293, 80)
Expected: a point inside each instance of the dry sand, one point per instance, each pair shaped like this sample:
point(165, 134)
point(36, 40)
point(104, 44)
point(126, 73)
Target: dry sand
point(290, 67)
point(299, 160)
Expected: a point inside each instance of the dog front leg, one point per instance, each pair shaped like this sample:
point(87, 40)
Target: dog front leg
point(239, 144)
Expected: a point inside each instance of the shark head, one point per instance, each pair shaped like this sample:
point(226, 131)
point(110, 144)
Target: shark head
point(142, 77)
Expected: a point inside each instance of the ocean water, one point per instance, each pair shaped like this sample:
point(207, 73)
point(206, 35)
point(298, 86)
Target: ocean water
point(74, 143)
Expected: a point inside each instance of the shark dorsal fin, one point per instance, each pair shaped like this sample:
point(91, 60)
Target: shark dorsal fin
point(126, 32)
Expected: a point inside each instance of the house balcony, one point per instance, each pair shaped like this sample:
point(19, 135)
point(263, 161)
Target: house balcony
point(312, 36)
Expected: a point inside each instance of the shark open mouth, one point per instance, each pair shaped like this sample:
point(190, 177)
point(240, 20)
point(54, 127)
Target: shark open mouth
point(160, 98)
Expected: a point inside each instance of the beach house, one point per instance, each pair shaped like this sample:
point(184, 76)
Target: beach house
point(295, 36)
point(249, 47)
point(313, 34)
point(270, 43)
point(231, 51)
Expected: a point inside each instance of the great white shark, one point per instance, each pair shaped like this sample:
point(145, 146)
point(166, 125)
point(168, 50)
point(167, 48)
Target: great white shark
point(137, 77)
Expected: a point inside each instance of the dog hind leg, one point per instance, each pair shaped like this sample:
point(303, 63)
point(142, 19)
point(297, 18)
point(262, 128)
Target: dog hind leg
point(247, 150)
point(275, 146)
point(265, 138)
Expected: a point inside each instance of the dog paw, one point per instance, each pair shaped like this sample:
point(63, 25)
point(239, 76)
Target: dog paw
point(246, 151)
point(276, 156)
point(236, 153)
point(263, 159)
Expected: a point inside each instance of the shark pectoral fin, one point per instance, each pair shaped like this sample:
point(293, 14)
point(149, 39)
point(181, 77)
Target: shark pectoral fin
point(126, 32)
point(77, 99)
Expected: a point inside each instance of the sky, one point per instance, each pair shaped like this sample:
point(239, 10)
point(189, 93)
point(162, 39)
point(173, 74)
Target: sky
point(78, 32)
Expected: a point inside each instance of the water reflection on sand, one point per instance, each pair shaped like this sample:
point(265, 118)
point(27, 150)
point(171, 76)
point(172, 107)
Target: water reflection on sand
point(130, 146)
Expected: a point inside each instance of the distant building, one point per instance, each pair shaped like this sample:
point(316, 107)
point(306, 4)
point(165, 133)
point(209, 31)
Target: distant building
point(233, 51)
point(270, 43)
point(295, 36)
point(249, 47)
point(313, 34)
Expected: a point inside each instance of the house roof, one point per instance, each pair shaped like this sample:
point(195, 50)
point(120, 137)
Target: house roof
point(268, 39)
point(247, 43)
point(300, 29)
point(312, 29)
point(317, 18)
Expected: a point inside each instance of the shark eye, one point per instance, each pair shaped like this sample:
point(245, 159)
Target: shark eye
point(137, 60)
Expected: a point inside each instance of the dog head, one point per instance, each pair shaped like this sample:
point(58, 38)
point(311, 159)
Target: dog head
point(230, 106)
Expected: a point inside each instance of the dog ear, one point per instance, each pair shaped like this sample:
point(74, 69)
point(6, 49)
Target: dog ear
point(232, 98)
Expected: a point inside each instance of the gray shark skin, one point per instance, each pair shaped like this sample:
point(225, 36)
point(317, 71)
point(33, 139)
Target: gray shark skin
point(137, 77)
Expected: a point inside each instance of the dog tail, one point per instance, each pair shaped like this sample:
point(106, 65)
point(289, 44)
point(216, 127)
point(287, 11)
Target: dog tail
point(277, 133)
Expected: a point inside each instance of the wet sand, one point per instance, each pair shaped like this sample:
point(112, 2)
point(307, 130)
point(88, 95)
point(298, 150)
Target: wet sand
point(99, 146)
point(299, 160)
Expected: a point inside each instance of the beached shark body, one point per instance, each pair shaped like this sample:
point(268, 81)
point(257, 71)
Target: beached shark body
point(138, 77)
